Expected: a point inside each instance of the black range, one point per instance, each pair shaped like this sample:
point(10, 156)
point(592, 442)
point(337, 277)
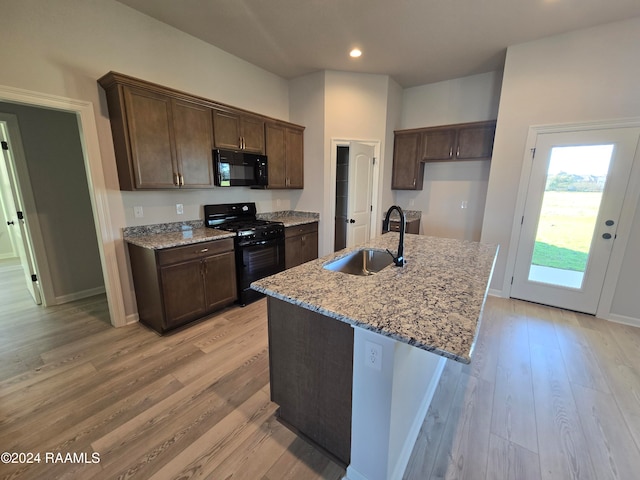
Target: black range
point(259, 244)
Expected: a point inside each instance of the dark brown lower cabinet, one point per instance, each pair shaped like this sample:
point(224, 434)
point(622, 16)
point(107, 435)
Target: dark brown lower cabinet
point(413, 226)
point(300, 244)
point(178, 285)
point(311, 375)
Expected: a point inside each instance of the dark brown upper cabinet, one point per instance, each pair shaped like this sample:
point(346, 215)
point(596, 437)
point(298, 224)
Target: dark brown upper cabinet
point(285, 153)
point(163, 138)
point(161, 141)
point(407, 169)
point(412, 148)
point(238, 131)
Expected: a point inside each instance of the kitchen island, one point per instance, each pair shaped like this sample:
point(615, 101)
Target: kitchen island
point(354, 360)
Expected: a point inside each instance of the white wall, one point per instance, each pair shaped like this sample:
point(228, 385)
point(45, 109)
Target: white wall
point(335, 105)
point(585, 75)
point(453, 195)
point(62, 47)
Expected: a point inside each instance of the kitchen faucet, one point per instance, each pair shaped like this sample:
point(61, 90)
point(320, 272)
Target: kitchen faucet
point(399, 260)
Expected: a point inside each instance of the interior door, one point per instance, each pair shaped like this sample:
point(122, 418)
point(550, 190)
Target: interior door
point(12, 201)
point(574, 200)
point(359, 193)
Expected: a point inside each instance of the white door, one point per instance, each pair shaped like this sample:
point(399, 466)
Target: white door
point(13, 203)
point(359, 193)
point(574, 200)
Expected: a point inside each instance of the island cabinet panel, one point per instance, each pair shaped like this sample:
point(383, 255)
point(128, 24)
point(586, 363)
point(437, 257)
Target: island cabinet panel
point(311, 375)
point(238, 131)
point(177, 285)
point(412, 148)
point(285, 153)
point(300, 244)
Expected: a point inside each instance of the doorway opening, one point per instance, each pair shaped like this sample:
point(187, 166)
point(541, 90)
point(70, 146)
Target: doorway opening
point(94, 180)
point(573, 191)
point(342, 190)
point(354, 174)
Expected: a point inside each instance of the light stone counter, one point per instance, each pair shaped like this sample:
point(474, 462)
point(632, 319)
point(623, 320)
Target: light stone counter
point(167, 235)
point(290, 218)
point(434, 302)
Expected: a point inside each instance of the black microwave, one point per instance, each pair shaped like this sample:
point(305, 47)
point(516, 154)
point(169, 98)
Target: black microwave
point(239, 169)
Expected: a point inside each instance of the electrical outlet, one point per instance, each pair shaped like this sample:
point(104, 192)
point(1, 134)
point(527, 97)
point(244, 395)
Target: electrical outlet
point(179, 209)
point(137, 212)
point(373, 355)
point(464, 204)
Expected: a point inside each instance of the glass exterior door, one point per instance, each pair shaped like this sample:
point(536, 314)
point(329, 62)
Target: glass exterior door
point(576, 189)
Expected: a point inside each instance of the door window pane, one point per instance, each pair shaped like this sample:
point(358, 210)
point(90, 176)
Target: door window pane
point(575, 181)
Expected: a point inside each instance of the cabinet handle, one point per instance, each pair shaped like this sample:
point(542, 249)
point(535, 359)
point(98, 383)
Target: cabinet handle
point(458, 151)
point(181, 180)
point(176, 180)
point(414, 182)
point(450, 152)
point(204, 250)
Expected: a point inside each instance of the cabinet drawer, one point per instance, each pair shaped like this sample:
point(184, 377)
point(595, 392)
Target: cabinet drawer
point(300, 229)
point(196, 250)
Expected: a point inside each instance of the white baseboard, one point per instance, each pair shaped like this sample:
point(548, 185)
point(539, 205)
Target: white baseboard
point(494, 292)
point(613, 317)
point(7, 256)
point(132, 318)
point(71, 297)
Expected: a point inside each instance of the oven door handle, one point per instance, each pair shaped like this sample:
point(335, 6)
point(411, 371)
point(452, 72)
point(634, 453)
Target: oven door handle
point(253, 243)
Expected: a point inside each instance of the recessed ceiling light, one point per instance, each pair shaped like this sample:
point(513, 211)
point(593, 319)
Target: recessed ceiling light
point(355, 53)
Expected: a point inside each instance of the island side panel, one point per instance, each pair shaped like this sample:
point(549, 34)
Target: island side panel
point(311, 373)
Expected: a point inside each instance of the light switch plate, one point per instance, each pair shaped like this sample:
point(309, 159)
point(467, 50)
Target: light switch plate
point(179, 209)
point(137, 212)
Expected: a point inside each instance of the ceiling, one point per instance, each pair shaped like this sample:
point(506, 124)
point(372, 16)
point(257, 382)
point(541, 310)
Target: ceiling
point(416, 42)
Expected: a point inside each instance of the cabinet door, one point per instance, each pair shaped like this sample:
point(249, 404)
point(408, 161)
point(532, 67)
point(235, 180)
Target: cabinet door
point(309, 246)
point(275, 139)
point(407, 170)
point(294, 146)
point(438, 144)
point(226, 130)
point(194, 143)
point(183, 292)
point(252, 133)
point(292, 251)
point(220, 280)
point(151, 139)
point(476, 141)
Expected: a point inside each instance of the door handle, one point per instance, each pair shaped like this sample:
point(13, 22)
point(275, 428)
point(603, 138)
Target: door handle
point(11, 223)
point(351, 220)
point(609, 223)
point(606, 236)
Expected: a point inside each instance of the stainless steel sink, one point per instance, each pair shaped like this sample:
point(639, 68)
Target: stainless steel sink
point(361, 262)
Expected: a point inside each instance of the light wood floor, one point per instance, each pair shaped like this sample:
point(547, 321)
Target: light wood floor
point(550, 394)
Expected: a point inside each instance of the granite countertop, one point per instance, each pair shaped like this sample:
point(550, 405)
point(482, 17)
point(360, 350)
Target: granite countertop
point(167, 235)
point(290, 218)
point(410, 215)
point(175, 234)
point(434, 302)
